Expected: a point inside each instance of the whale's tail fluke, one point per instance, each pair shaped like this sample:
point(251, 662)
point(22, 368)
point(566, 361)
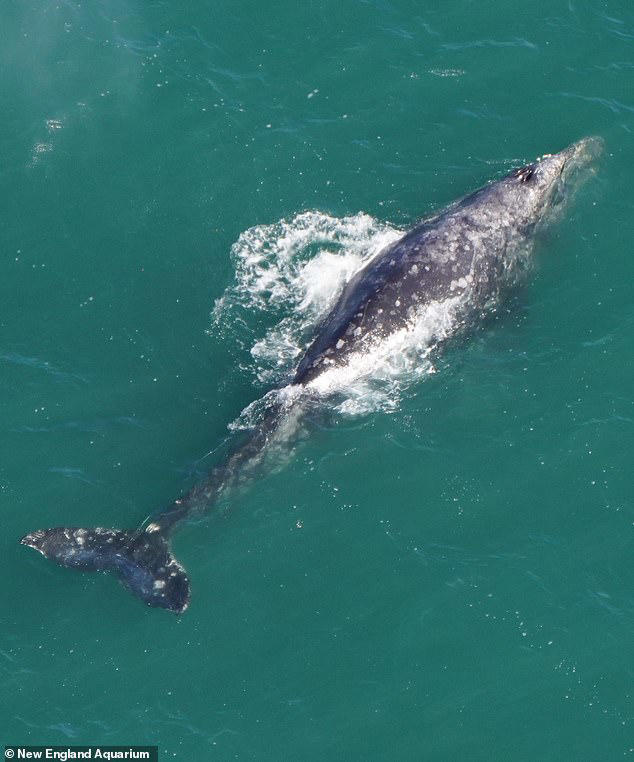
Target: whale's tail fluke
point(141, 558)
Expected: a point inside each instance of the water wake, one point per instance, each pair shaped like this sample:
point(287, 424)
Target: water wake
point(291, 273)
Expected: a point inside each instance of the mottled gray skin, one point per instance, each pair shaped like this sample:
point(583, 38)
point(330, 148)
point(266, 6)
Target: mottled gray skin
point(473, 249)
point(470, 251)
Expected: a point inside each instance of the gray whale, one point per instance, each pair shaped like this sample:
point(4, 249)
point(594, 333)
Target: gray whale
point(467, 253)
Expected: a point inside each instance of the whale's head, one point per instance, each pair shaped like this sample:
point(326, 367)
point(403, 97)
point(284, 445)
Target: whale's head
point(536, 194)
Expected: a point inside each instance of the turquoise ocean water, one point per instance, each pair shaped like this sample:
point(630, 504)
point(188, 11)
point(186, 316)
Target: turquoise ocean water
point(443, 571)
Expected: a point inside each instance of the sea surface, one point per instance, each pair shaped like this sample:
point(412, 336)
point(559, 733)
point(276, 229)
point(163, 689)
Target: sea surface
point(444, 569)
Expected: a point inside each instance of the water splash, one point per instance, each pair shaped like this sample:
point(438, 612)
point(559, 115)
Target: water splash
point(292, 272)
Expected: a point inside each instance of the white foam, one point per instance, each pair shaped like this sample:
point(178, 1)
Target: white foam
point(376, 376)
point(292, 273)
point(302, 260)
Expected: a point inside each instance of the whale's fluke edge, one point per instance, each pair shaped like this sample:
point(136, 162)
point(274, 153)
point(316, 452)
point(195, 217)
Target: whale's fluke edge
point(142, 560)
